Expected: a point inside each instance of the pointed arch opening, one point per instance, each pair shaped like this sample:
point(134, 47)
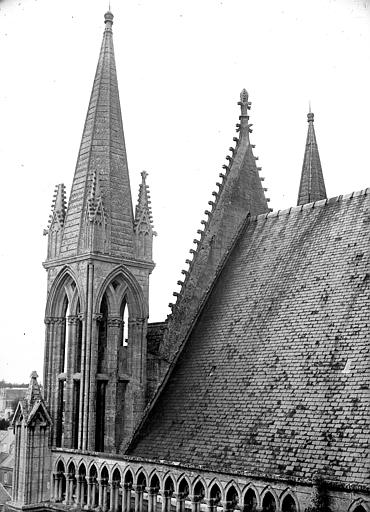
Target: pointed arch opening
point(232, 498)
point(93, 476)
point(72, 480)
point(60, 493)
point(82, 498)
point(199, 491)
point(215, 495)
point(154, 484)
point(289, 504)
point(121, 361)
point(250, 501)
point(268, 503)
point(63, 358)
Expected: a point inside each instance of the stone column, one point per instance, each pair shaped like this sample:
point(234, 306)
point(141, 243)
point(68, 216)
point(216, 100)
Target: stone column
point(139, 490)
point(89, 481)
point(180, 501)
point(69, 488)
point(228, 506)
point(211, 505)
point(115, 495)
point(152, 499)
point(105, 497)
point(100, 498)
point(195, 503)
point(113, 335)
point(90, 384)
point(56, 367)
point(72, 327)
point(54, 488)
point(166, 501)
point(48, 367)
point(126, 498)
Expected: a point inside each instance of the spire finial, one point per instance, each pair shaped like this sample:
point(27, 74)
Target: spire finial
point(245, 105)
point(310, 115)
point(108, 18)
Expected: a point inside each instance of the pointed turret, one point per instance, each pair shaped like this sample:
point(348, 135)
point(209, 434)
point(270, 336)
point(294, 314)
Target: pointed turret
point(31, 423)
point(99, 216)
point(144, 229)
point(56, 221)
point(312, 186)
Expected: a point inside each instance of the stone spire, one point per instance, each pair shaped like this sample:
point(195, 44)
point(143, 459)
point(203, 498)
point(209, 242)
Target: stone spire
point(99, 216)
point(312, 186)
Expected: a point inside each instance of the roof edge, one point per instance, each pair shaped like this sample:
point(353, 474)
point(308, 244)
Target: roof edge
point(314, 204)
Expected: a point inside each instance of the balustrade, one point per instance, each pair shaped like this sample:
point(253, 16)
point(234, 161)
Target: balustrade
point(122, 485)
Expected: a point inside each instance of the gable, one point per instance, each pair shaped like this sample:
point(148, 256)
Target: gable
point(274, 376)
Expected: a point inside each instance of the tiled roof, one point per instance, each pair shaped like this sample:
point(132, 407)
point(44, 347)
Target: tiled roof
point(274, 378)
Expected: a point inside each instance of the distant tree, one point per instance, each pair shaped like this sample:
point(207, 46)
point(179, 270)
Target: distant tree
point(4, 424)
point(13, 406)
point(321, 498)
point(4, 384)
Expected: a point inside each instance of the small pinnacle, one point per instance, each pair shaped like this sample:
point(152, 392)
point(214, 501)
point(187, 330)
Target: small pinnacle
point(34, 375)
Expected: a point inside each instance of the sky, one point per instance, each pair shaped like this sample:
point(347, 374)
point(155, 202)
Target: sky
point(181, 65)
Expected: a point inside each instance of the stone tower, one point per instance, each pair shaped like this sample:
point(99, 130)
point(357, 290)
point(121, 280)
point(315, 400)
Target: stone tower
point(98, 264)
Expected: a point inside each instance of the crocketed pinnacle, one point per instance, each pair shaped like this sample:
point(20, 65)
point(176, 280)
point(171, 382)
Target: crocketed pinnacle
point(33, 391)
point(101, 175)
point(58, 209)
point(312, 186)
point(143, 211)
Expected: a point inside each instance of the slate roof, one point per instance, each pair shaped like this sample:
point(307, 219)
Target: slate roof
point(274, 378)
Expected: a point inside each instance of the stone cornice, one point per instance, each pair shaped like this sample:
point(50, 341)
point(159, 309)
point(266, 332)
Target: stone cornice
point(92, 257)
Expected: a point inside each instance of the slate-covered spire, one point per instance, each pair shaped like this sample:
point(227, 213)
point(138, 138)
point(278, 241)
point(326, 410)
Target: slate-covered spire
point(99, 216)
point(312, 186)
